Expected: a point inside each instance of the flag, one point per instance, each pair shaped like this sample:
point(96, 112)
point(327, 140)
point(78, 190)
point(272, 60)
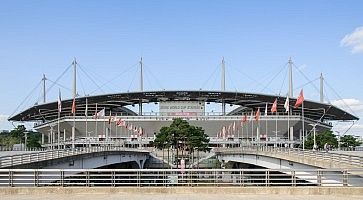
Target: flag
point(251, 118)
point(120, 122)
point(287, 104)
point(300, 99)
point(244, 120)
point(274, 106)
point(140, 131)
point(130, 127)
point(101, 113)
point(110, 119)
point(86, 110)
point(59, 102)
point(234, 126)
point(224, 132)
point(257, 117)
point(74, 106)
point(135, 129)
point(266, 110)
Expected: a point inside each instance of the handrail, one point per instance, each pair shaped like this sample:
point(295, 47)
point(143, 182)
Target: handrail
point(20, 159)
point(356, 161)
point(180, 177)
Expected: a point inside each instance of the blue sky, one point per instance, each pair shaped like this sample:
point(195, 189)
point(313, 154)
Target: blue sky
point(182, 43)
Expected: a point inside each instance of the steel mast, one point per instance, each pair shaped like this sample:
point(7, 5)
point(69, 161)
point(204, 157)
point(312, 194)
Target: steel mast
point(223, 85)
point(141, 85)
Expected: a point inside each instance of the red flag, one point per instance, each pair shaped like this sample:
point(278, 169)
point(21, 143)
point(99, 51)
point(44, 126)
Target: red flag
point(300, 99)
point(74, 106)
point(244, 120)
point(109, 119)
point(274, 106)
point(257, 117)
point(120, 122)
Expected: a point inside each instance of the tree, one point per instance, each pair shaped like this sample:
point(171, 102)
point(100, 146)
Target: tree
point(349, 141)
point(181, 135)
point(17, 136)
point(321, 139)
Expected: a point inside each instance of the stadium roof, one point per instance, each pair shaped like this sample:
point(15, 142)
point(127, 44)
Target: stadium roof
point(117, 102)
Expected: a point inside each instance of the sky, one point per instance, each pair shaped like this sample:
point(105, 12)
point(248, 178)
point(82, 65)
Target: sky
point(182, 44)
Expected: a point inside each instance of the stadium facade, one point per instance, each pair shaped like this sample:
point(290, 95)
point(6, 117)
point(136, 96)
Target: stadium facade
point(107, 119)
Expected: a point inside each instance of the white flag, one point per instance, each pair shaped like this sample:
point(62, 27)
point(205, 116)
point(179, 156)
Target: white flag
point(251, 118)
point(86, 110)
point(59, 102)
point(287, 104)
point(266, 110)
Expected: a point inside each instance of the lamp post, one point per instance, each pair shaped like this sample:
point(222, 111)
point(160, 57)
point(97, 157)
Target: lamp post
point(338, 139)
point(26, 139)
point(314, 132)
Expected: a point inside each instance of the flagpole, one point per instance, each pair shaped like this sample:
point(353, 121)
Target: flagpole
point(104, 128)
point(64, 138)
point(277, 116)
point(252, 131)
point(96, 118)
point(86, 113)
point(303, 125)
point(116, 125)
point(110, 133)
point(74, 130)
point(58, 129)
point(247, 129)
point(288, 125)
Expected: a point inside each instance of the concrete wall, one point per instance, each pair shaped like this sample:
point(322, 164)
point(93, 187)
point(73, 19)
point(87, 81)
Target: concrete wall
point(346, 191)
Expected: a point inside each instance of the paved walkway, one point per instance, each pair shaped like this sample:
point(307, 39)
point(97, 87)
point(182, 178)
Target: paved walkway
point(175, 197)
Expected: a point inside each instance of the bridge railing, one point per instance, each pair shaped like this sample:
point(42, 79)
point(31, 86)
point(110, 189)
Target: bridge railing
point(175, 178)
point(20, 159)
point(352, 160)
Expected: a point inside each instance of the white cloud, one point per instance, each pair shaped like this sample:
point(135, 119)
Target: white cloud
point(354, 40)
point(356, 129)
point(349, 104)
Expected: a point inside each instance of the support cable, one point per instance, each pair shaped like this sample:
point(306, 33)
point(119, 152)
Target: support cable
point(316, 88)
point(339, 97)
point(128, 89)
point(303, 85)
point(90, 78)
point(58, 84)
point(146, 67)
point(59, 77)
point(283, 83)
point(273, 78)
point(26, 98)
point(80, 80)
point(205, 82)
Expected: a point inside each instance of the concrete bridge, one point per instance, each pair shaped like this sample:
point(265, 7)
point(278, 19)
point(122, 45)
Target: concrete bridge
point(80, 158)
point(268, 157)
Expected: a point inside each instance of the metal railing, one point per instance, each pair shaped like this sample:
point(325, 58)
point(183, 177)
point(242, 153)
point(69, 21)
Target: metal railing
point(203, 116)
point(353, 161)
point(20, 159)
point(175, 178)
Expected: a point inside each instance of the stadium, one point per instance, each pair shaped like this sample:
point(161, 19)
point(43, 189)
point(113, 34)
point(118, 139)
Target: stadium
point(107, 119)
